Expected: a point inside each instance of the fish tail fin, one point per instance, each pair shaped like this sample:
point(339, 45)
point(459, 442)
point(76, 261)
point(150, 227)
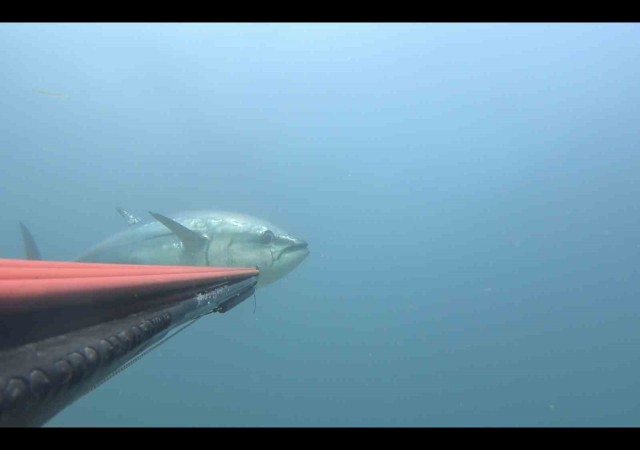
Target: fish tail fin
point(30, 247)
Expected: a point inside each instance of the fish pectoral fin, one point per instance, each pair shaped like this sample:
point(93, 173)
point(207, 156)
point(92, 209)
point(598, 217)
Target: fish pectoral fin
point(30, 247)
point(191, 240)
point(130, 218)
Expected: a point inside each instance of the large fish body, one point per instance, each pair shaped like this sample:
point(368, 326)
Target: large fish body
point(204, 238)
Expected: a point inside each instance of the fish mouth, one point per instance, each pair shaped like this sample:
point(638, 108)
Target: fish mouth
point(302, 245)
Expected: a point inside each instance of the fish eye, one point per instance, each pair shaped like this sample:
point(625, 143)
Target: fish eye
point(267, 237)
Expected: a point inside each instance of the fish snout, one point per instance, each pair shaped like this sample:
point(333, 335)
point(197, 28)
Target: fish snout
point(299, 244)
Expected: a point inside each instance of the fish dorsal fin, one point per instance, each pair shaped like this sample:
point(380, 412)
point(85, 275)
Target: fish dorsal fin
point(130, 218)
point(30, 247)
point(191, 240)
